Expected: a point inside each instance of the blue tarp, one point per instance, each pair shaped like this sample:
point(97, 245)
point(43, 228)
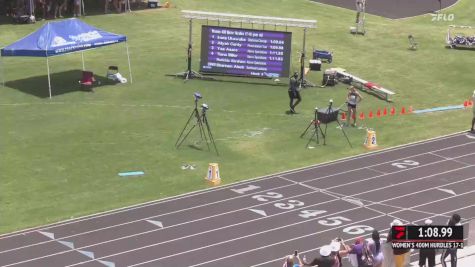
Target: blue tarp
point(61, 37)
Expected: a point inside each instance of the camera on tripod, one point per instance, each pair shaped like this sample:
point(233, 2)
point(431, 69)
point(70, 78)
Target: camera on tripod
point(200, 121)
point(325, 117)
point(197, 96)
point(329, 114)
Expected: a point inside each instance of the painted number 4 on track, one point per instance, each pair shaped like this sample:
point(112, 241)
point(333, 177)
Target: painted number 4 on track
point(332, 221)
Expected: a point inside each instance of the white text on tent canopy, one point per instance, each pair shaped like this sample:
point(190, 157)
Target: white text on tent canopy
point(86, 37)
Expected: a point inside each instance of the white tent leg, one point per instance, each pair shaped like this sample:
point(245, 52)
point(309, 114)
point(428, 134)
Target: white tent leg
point(82, 11)
point(82, 57)
point(128, 59)
point(2, 71)
point(49, 78)
point(127, 7)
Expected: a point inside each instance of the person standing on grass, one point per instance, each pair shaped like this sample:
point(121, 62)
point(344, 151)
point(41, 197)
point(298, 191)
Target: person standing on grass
point(352, 99)
point(454, 221)
point(294, 92)
point(60, 6)
point(427, 254)
point(472, 130)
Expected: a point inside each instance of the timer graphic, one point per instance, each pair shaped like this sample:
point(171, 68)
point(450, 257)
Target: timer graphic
point(427, 236)
point(399, 232)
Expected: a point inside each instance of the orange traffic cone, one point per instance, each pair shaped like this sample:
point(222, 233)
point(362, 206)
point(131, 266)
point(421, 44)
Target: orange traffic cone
point(362, 116)
point(470, 103)
point(343, 116)
point(370, 114)
point(385, 111)
point(465, 103)
point(410, 109)
point(378, 113)
point(403, 110)
point(393, 111)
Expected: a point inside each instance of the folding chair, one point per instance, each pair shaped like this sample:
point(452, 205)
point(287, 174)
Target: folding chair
point(412, 42)
point(111, 72)
point(87, 81)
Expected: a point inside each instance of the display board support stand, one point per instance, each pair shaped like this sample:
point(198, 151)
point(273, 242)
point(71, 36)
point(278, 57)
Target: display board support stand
point(189, 73)
point(303, 83)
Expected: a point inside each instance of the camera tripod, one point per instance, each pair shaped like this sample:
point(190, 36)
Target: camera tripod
point(203, 125)
point(326, 119)
point(316, 128)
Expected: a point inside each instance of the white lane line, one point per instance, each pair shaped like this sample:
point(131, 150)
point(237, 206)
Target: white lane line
point(449, 191)
point(180, 253)
point(443, 215)
point(287, 179)
point(265, 177)
point(311, 187)
point(420, 166)
point(155, 216)
point(379, 164)
point(294, 196)
point(305, 251)
point(306, 207)
point(282, 213)
point(452, 159)
point(223, 242)
point(287, 240)
point(260, 212)
point(155, 222)
point(213, 203)
point(147, 218)
point(380, 172)
point(183, 237)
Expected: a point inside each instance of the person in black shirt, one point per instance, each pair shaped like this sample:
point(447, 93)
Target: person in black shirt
point(454, 220)
point(325, 259)
point(427, 254)
point(294, 92)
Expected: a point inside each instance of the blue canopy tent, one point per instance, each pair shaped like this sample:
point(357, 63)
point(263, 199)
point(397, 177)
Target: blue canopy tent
point(63, 37)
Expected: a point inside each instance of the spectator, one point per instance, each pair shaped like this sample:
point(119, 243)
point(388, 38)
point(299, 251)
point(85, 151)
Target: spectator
point(427, 254)
point(292, 261)
point(374, 246)
point(454, 221)
point(336, 246)
point(115, 4)
point(400, 254)
point(41, 7)
point(77, 8)
point(356, 251)
point(325, 259)
point(352, 99)
point(60, 5)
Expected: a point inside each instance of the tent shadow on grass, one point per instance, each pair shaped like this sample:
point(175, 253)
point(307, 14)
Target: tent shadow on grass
point(61, 83)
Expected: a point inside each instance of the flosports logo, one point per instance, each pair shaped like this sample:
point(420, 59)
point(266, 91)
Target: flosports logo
point(443, 17)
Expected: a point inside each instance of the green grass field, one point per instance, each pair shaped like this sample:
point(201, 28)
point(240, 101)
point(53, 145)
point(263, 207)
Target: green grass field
point(60, 157)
